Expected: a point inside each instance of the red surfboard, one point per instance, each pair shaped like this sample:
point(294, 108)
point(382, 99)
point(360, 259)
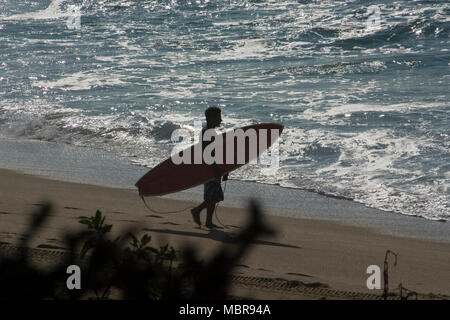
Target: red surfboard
point(192, 167)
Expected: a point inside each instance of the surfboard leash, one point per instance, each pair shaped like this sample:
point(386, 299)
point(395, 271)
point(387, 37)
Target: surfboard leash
point(178, 211)
point(162, 212)
point(217, 205)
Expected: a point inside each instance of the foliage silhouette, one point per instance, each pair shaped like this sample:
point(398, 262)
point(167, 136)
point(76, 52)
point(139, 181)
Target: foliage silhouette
point(132, 270)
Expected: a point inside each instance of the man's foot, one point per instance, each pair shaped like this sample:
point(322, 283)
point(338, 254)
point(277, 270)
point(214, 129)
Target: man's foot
point(212, 226)
point(196, 216)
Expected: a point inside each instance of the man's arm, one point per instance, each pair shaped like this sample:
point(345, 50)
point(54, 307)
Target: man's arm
point(214, 165)
point(216, 170)
point(217, 173)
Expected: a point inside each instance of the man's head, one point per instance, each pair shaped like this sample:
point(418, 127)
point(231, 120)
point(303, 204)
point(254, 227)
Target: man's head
point(213, 117)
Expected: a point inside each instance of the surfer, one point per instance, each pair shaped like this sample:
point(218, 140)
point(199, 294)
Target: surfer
point(212, 192)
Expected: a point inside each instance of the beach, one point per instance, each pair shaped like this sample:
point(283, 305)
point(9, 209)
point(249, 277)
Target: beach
point(305, 259)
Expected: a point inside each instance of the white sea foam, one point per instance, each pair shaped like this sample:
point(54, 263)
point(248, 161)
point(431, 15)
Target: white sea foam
point(53, 11)
point(244, 49)
point(82, 81)
point(365, 167)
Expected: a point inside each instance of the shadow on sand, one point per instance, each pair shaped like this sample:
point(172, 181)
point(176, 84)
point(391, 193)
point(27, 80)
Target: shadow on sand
point(218, 235)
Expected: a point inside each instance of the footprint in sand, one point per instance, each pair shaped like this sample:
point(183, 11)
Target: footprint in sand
point(47, 246)
point(54, 240)
point(154, 216)
point(4, 212)
point(171, 223)
point(299, 274)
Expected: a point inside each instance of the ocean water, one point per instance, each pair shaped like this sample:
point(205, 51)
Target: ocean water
point(365, 106)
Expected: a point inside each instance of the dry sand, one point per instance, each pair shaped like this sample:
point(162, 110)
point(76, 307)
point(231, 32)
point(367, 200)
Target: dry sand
point(306, 259)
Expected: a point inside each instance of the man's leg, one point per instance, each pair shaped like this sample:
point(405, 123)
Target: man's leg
point(196, 212)
point(209, 215)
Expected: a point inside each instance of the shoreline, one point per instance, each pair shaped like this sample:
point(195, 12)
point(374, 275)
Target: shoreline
point(330, 255)
point(63, 162)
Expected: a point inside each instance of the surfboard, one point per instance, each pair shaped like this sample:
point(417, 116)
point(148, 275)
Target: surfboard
point(192, 167)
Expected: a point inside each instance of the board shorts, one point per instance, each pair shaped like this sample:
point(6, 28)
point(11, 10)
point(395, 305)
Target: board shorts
point(212, 191)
